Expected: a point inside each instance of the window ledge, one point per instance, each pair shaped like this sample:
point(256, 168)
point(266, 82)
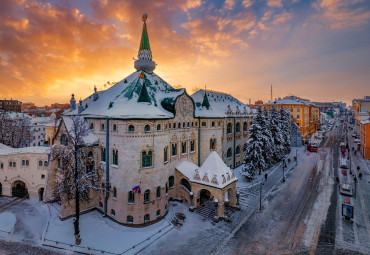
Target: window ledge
point(102, 162)
point(172, 187)
point(192, 151)
point(183, 153)
point(115, 166)
point(147, 202)
point(158, 198)
point(174, 156)
point(114, 198)
point(147, 167)
point(165, 162)
point(131, 203)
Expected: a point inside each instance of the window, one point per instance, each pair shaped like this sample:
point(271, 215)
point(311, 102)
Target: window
point(165, 155)
point(188, 124)
point(179, 125)
point(131, 197)
point(147, 128)
point(63, 140)
point(91, 125)
point(130, 219)
point(10, 164)
point(212, 144)
point(204, 124)
point(100, 204)
point(2, 166)
point(291, 109)
point(229, 129)
point(192, 146)
point(114, 127)
point(103, 152)
point(229, 153)
point(23, 162)
point(196, 123)
point(102, 127)
point(27, 162)
point(245, 126)
point(90, 155)
point(298, 116)
point(174, 149)
point(237, 150)
point(171, 181)
point(159, 127)
point(237, 127)
point(40, 163)
point(158, 213)
point(146, 159)
point(245, 147)
point(169, 125)
point(146, 218)
point(183, 147)
point(183, 125)
point(166, 188)
point(42, 176)
point(114, 193)
point(186, 184)
point(113, 212)
point(158, 192)
point(147, 196)
point(213, 123)
point(298, 110)
point(46, 164)
point(115, 157)
point(131, 129)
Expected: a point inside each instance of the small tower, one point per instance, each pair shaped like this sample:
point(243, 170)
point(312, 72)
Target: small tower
point(80, 107)
point(205, 102)
point(95, 95)
point(72, 103)
point(144, 62)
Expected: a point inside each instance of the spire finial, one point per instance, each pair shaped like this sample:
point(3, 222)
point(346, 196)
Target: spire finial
point(145, 17)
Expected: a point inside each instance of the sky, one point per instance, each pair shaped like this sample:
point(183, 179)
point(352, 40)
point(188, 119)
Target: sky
point(316, 49)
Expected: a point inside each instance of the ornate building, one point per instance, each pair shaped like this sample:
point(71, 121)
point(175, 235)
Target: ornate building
point(154, 141)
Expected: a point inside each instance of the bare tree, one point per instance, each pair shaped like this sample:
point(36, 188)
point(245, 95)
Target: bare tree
point(77, 170)
point(15, 131)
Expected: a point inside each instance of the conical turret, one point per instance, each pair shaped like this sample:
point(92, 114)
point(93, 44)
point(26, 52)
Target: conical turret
point(205, 102)
point(144, 62)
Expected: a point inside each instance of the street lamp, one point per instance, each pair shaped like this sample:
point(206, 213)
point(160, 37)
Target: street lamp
point(261, 195)
point(284, 165)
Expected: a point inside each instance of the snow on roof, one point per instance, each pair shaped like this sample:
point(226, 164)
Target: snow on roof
point(221, 105)
point(89, 139)
point(43, 121)
point(121, 100)
point(285, 101)
point(214, 172)
point(6, 150)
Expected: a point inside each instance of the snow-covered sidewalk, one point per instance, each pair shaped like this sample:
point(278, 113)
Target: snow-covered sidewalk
point(101, 235)
point(7, 223)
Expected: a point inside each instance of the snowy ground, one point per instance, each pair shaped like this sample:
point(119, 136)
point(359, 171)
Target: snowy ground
point(7, 223)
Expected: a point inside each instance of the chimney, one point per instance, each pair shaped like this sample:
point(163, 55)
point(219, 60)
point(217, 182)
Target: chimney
point(72, 102)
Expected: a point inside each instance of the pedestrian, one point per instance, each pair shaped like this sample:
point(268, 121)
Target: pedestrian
point(337, 179)
point(358, 168)
point(360, 175)
point(265, 177)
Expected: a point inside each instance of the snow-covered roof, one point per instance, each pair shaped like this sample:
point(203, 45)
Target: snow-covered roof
point(220, 105)
point(285, 101)
point(131, 99)
point(214, 172)
point(89, 139)
point(43, 121)
point(6, 150)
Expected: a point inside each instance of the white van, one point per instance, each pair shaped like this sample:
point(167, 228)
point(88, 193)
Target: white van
point(343, 163)
point(346, 189)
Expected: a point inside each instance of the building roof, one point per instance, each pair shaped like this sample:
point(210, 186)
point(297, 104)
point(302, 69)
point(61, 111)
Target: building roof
point(144, 42)
point(89, 139)
point(6, 150)
point(211, 104)
point(214, 172)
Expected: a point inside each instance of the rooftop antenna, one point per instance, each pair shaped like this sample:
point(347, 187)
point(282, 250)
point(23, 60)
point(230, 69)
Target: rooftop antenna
point(271, 93)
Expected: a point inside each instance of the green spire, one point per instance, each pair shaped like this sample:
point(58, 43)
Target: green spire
point(144, 43)
point(144, 95)
point(205, 102)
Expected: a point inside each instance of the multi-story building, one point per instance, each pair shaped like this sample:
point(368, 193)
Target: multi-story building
point(360, 110)
point(23, 171)
point(305, 114)
point(365, 138)
point(10, 105)
point(153, 136)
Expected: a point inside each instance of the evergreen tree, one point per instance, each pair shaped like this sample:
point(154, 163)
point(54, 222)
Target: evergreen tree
point(285, 118)
point(268, 143)
point(276, 134)
point(255, 159)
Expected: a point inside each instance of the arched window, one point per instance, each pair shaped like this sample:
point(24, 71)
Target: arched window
point(166, 188)
point(204, 124)
point(188, 124)
point(146, 218)
point(46, 164)
point(171, 181)
point(130, 219)
point(114, 193)
point(23, 162)
point(159, 127)
point(169, 125)
point(147, 128)
point(158, 192)
point(131, 197)
point(64, 140)
point(183, 124)
point(91, 125)
point(113, 212)
point(245, 126)
point(186, 184)
point(158, 213)
point(245, 147)
point(27, 162)
point(114, 127)
point(103, 151)
point(147, 196)
point(179, 125)
point(229, 128)
point(90, 154)
point(237, 127)
point(183, 148)
point(174, 149)
point(212, 144)
point(229, 153)
point(213, 123)
point(131, 129)
point(146, 159)
point(40, 163)
point(237, 150)
point(102, 127)
point(165, 155)
point(115, 157)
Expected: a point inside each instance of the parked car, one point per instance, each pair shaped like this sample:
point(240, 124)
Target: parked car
point(343, 163)
point(346, 189)
point(354, 135)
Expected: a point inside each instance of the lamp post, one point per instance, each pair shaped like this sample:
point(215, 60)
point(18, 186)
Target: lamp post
point(261, 195)
point(355, 180)
point(296, 156)
point(237, 200)
point(284, 165)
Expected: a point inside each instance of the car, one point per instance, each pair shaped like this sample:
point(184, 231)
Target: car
point(343, 163)
point(354, 135)
point(346, 189)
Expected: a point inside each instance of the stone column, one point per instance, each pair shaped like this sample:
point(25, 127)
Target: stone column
point(220, 209)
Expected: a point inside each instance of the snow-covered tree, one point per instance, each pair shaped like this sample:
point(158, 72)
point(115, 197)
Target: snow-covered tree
point(255, 159)
point(15, 131)
point(285, 121)
point(79, 175)
point(276, 132)
point(268, 143)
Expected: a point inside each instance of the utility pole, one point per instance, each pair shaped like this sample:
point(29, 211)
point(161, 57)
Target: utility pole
point(271, 92)
point(296, 156)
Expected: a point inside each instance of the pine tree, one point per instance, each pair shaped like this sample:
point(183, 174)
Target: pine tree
point(285, 118)
point(268, 146)
point(276, 134)
point(255, 159)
